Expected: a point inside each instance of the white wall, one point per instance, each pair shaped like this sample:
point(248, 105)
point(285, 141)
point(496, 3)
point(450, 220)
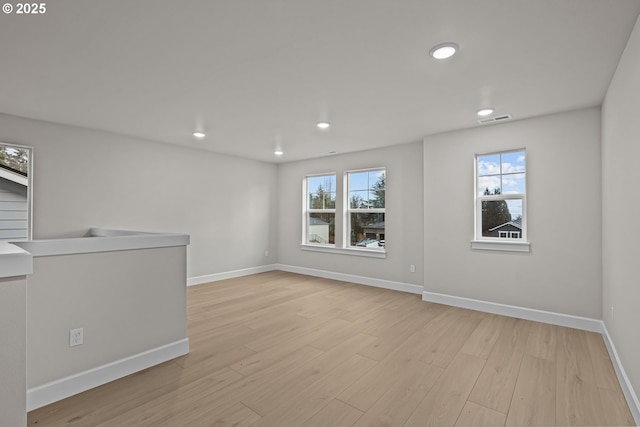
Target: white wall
point(13, 325)
point(562, 273)
point(403, 220)
point(84, 178)
point(621, 208)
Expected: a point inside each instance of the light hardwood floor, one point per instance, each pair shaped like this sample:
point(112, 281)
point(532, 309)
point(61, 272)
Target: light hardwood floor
point(281, 349)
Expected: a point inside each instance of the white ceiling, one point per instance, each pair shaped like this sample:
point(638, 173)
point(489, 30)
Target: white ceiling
point(255, 74)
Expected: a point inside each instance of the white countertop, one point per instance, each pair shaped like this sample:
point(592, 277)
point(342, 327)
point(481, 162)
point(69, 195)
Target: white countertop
point(16, 258)
point(103, 240)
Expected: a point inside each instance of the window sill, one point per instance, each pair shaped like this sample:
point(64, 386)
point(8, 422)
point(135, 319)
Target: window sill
point(371, 253)
point(494, 245)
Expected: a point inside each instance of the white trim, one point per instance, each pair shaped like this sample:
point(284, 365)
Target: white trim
point(198, 280)
point(623, 379)
point(14, 177)
point(559, 319)
point(54, 391)
point(361, 280)
point(371, 253)
point(502, 245)
point(14, 261)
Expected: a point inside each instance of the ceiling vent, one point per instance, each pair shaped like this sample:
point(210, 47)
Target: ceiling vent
point(495, 119)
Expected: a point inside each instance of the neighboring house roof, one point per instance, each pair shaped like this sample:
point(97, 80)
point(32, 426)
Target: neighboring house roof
point(317, 221)
point(516, 223)
point(379, 225)
point(14, 175)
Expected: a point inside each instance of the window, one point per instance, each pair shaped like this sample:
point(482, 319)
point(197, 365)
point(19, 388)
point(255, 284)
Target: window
point(501, 196)
point(366, 208)
point(320, 212)
point(15, 192)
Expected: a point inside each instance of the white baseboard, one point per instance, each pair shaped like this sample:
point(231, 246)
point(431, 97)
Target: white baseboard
point(198, 280)
point(584, 323)
point(623, 379)
point(60, 389)
point(361, 280)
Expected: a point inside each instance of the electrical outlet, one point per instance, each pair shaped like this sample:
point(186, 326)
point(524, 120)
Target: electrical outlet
point(412, 268)
point(266, 253)
point(76, 337)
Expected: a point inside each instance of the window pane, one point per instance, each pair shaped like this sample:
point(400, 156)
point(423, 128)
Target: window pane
point(358, 181)
point(515, 209)
point(367, 189)
point(321, 228)
point(367, 230)
point(513, 183)
point(324, 183)
point(513, 162)
point(502, 218)
point(359, 199)
point(377, 180)
point(489, 165)
point(489, 185)
point(15, 193)
point(321, 192)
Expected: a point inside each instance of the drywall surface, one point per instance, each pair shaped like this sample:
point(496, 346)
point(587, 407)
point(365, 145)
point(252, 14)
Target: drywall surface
point(84, 178)
point(403, 219)
point(127, 302)
point(621, 208)
point(562, 272)
point(13, 327)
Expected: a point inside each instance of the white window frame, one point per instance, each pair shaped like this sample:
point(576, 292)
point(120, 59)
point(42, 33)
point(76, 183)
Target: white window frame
point(348, 210)
point(500, 243)
point(307, 210)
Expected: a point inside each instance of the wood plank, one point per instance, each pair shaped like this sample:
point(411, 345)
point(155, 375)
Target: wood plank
point(577, 397)
point(296, 410)
point(391, 337)
point(335, 414)
point(498, 379)
point(301, 327)
point(534, 397)
point(237, 415)
point(335, 328)
point(368, 389)
point(291, 382)
point(442, 349)
point(541, 342)
point(397, 404)
point(479, 416)
point(616, 410)
point(444, 402)
point(481, 342)
point(605, 375)
point(178, 396)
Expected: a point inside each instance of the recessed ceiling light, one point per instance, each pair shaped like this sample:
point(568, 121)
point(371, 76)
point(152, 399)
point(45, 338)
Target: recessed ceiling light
point(278, 152)
point(444, 50)
point(323, 125)
point(483, 112)
point(199, 134)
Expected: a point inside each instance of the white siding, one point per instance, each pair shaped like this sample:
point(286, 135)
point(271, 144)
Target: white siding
point(14, 211)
